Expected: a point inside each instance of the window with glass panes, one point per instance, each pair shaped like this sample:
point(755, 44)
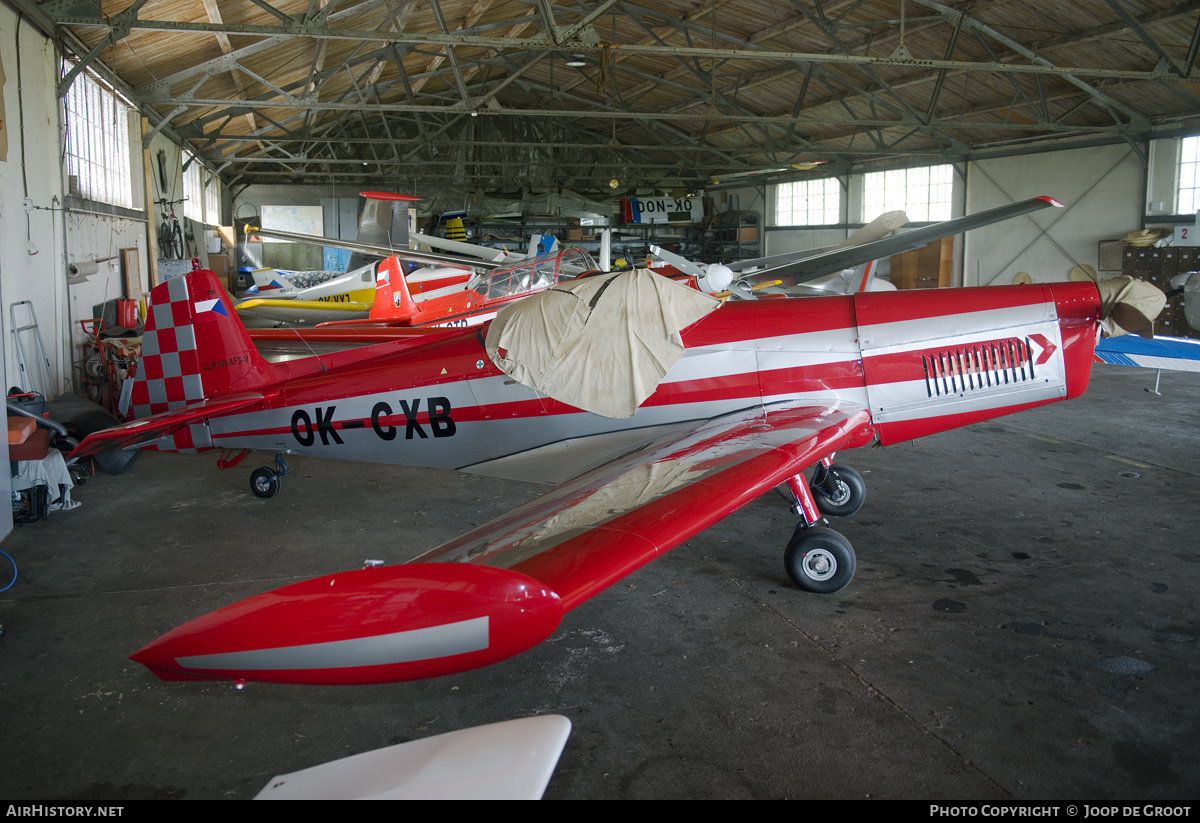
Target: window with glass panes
point(1188, 201)
point(202, 189)
point(193, 199)
point(212, 200)
point(808, 203)
point(97, 141)
point(924, 194)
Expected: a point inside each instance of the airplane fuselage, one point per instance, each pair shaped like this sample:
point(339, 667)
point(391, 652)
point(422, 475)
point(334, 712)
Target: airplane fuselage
point(921, 362)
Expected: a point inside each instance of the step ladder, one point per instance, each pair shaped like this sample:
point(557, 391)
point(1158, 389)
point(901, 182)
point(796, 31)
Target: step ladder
point(35, 376)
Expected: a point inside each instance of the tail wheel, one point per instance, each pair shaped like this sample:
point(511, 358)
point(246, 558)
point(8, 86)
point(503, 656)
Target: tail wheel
point(841, 492)
point(264, 482)
point(819, 560)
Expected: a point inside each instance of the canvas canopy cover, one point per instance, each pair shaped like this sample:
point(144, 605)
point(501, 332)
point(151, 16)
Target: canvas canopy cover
point(602, 343)
point(1129, 306)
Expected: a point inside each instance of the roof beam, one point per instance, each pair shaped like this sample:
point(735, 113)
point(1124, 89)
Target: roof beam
point(262, 4)
point(1137, 120)
point(214, 14)
point(1038, 66)
point(606, 114)
point(1150, 42)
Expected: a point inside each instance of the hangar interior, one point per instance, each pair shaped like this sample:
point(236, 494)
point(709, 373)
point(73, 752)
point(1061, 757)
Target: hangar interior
point(1023, 622)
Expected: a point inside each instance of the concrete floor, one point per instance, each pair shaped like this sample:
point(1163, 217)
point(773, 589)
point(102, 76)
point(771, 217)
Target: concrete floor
point(1023, 625)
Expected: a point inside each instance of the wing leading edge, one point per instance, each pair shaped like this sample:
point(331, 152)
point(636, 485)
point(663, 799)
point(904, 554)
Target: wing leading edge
point(828, 262)
point(503, 587)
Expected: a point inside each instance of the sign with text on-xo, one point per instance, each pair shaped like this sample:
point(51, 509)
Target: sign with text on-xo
point(662, 209)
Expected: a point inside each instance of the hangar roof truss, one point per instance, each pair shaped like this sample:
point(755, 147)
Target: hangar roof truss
point(504, 94)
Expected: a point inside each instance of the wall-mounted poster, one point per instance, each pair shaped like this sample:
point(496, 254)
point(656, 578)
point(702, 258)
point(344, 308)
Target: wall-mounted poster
point(308, 220)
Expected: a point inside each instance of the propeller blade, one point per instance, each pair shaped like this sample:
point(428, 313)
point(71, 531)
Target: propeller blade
point(678, 261)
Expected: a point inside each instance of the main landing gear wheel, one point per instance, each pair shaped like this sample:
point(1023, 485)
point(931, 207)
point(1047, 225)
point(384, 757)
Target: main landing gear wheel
point(819, 560)
point(839, 491)
point(264, 482)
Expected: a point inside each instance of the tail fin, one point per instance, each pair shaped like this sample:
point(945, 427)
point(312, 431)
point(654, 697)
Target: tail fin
point(393, 300)
point(542, 244)
point(194, 348)
point(868, 271)
point(266, 282)
point(374, 228)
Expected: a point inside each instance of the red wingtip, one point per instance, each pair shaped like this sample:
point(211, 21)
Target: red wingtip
point(375, 625)
point(1051, 201)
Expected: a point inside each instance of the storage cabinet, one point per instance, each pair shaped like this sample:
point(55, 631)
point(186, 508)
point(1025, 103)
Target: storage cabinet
point(928, 267)
point(1158, 266)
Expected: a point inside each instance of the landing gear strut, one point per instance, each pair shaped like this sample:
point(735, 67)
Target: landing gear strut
point(264, 482)
point(819, 559)
point(838, 490)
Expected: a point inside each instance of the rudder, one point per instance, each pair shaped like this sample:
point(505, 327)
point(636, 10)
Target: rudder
point(194, 348)
point(393, 300)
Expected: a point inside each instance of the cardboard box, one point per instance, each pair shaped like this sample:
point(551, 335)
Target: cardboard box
point(219, 264)
point(748, 235)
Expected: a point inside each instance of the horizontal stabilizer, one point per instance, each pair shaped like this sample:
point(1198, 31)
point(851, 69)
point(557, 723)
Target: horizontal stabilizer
point(513, 760)
point(162, 424)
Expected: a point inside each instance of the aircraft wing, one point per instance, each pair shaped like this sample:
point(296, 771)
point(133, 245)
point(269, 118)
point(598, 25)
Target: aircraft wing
point(260, 310)
point(424, 258)
point(162, 424)
point(877, 229)
point(585, 535)
point(1175, 353)
point(503, 587)
point(836, 260)
point(293, 305)
point(497, 256)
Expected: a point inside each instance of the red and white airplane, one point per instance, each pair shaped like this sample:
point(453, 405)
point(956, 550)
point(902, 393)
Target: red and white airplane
point(473, 300)
point(406, 301)
point(403, 309)
point(747, 397)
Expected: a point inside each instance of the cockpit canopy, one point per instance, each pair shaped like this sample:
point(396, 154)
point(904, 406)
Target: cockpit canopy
point(535, 274)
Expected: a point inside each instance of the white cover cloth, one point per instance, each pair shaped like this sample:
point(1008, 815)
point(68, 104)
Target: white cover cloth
point(52, 472)
point(601, 344)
